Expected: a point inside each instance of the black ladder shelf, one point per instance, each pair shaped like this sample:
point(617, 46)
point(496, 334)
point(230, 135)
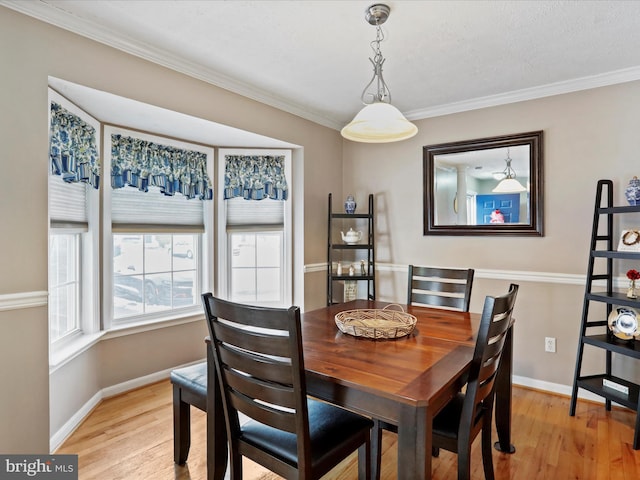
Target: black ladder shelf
point(339, 252)
point(601, 257)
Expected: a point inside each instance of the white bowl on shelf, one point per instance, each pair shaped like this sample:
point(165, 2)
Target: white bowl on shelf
point(623, 323)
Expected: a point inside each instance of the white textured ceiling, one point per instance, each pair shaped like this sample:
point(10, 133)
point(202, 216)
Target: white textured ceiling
point(311, 57)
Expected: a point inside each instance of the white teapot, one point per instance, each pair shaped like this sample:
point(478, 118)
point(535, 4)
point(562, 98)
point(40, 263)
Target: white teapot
point(351, 237)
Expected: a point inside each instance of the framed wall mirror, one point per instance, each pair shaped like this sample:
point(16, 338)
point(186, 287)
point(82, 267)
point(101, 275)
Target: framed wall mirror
point(488, 186)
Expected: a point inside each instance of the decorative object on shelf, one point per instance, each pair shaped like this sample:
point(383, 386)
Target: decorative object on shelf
point(350, 290)
point(352, 270)
point(363, 267)
point(378, 121)
point(633, 275)
point(350, 204)
point(623, 323)
point(629, 240)
point(632, 191)
point(376, 323)
point(351, 237)
point(339, 269)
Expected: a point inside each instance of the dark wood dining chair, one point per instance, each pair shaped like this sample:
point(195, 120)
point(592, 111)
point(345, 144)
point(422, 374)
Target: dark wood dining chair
point(434, 287)
point(260, 369)
point(440, 287)
point(469, 413)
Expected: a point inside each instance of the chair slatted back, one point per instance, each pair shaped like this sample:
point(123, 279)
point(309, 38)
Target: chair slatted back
point(440, 287)
point(494, 325)
point(259, 363)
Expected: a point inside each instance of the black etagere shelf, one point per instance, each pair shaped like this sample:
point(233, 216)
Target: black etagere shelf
point(340, 252)
point(602, 255)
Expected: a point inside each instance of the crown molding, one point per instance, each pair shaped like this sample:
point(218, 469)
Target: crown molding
point(551, 89)
point(57, 16)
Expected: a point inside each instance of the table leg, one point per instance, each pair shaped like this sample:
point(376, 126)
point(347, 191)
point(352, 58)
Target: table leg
point(503, 397)
point(376, 449)
point(414, 444)
point(216, 430)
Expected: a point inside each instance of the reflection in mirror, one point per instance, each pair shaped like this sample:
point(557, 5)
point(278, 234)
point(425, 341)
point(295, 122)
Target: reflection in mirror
point(489, 186)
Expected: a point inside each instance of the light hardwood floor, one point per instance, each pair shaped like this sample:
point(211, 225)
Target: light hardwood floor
point(130, 437)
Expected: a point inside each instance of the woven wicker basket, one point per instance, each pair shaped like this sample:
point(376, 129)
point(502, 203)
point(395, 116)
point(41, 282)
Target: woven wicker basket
point(376, 323)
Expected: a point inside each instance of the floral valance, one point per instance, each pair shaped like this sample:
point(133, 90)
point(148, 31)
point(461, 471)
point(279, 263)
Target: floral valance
point(255, 177)
point(72, 148)
point(142, 164)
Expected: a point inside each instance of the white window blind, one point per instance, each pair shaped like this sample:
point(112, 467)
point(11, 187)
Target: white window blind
point(135, 210)
point(254, 212)
point(67, 202)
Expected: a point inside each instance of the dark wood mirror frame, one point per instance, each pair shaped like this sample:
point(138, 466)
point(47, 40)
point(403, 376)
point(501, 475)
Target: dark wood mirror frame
point(534, 226)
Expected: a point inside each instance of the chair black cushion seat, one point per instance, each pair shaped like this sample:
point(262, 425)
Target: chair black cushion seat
point(328, 427)
point(193, 378)
point(447, 422)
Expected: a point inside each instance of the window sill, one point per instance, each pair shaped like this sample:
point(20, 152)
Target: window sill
point(63, 355)
point(124, 329)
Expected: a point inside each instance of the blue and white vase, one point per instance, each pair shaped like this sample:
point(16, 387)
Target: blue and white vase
point(350, 204)
point(632, 191)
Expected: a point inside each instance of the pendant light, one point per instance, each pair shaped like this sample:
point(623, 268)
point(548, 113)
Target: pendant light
point(509, 184)
point(378, 121)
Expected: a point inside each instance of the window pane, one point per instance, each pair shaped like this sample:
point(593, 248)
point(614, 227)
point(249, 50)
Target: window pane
point(127, 295)
point(64, 285)
point(243, 285)
point(269, 285)
point(157, 292)
point(269, 250)
point(243, 250)
point(127, 254)
point(256, 267)
point(183, 289)
point(168, 279)
point(184, 250)
point(156, 257)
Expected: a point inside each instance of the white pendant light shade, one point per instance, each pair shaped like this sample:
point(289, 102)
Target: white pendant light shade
point(509, 185)
point(379, 123)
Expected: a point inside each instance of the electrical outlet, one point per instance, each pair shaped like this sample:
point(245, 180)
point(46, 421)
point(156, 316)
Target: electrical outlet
point(550, 344)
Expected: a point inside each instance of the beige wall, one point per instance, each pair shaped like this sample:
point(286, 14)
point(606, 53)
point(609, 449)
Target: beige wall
point(588, 136)
point(30, 51)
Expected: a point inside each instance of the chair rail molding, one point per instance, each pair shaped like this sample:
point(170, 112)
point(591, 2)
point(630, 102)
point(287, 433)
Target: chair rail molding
point(490, 274)
point(18, 301)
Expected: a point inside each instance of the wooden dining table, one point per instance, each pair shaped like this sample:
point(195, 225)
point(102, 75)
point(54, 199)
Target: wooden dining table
point(404, 381)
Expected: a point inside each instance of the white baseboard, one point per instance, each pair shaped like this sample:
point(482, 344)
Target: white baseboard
point(68, 428)
point(58, 438)
point(555, 388)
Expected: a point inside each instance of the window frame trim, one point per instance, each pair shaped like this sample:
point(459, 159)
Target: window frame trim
point(89, 258)
point(205, 273)
point(223, 272)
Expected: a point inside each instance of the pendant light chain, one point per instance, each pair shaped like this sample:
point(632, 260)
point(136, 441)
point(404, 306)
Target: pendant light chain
point(382, 92)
